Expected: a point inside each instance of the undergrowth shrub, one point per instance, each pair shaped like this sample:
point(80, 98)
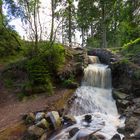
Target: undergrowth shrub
point(8, 44)
point(38, 74)
point(132, 48)
point(41, 69)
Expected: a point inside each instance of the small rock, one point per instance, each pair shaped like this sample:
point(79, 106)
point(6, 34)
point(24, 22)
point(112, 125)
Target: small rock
point(113, 59)
point(54, 118)
point(73, 131)
point(39, 116)
point(69, 119)
point(43, 124)
point(35, 131)
point(88, 118)
point(30, 118)
point(116, 137)
point(43, 137)
point(121, 130)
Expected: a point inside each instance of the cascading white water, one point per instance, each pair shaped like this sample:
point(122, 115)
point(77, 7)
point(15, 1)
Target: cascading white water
point(97, 75)
point(94, 97)
point(93, 59)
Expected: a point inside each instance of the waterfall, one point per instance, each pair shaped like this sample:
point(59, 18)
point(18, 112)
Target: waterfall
point(93, 59)
point(95, 94)
point(94, 97)
point(97, 75)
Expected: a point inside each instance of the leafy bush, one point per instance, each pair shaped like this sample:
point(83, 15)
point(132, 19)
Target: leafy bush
point(93, 43)
point(38, 74)
point(8, 44)
point(69, 81)
point(137, 74)
point(43, 67)
point(132, 48)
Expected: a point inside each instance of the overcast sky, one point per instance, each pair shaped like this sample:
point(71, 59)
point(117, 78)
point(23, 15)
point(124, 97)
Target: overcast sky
point(45, 16)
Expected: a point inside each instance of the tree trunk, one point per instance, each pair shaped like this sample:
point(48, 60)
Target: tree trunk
point(91, 30)
point(35, 25)
point(1, 14)
point(83, 37)
point(52, 25)
point(104, 41)
point(70, 25)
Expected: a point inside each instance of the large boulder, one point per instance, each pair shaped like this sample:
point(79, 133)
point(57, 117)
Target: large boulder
point(54, 119)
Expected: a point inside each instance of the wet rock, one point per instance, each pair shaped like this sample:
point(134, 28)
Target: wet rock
point(137, 111)
point(73, 131)
point(69, 119)
point(131, 124)
point(54, 119)
point(35, 131)
point(30, 118)
point(93, 137)
point(136, 101)
point(113, 60)
point(100, 137)
point(72, 85)
point(39, 116)
point(137, 131)
point(121, 130)
point(119, 95)
point(88, 118)
point(43, 124)
point(122, 103)
point(116, 137)
point(43, 137)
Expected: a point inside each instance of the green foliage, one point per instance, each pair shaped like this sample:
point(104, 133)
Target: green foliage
point(42, 68)
point(8, 44)
point(137, 74)
point(38, 74)
point(132, 48)
point(68, 81)
point(8, 83)
point(53, 56)
point(57, 56)
point(124, 61)
point(93, 43)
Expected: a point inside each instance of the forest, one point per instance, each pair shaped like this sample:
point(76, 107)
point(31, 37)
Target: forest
point(69, 62)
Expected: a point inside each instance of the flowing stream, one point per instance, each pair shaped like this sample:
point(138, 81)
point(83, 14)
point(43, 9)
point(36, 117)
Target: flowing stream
point(94, 97)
